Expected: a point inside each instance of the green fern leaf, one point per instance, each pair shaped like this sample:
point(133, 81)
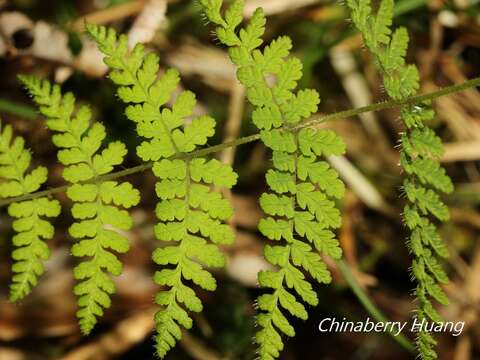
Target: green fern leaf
point(32, 229)
point(277, 205)
point(427, 200)
point(275, 229)
point(279, 141)
point(95, 207)
point(425, 143)
point(430, 172)
point(298, 181)
point(382, 23)
point(415, 116)
point(395, 54)
point(320, 142)
point(189, 211)
point(321, 174)
point(420, 151)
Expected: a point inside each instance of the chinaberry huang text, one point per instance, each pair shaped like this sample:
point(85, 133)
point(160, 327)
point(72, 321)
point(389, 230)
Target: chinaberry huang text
point(394, 327)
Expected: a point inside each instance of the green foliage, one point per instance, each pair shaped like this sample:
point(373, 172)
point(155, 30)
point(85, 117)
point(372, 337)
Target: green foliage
point(420, 151)
point(301, 207)
point(96, 206)
point(190, 211)
point(33, 230)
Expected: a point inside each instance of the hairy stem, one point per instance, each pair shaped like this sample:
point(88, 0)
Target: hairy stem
point(315, 120)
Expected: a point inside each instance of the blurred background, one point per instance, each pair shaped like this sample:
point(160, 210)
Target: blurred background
point(46, 38)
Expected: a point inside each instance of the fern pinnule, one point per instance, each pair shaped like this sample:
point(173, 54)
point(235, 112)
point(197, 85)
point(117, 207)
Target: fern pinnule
point(301, 205)
point(33, 230)
point(96, 205)
point(190, 212)
point(419, 155)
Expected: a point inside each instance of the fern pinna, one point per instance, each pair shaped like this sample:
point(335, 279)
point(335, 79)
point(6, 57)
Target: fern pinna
point(420, 150)
point(97, 204)
point(190, 212)
point(301, 205)
point(33, 230)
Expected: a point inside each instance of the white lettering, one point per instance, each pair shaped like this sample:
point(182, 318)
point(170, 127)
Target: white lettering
point(400, 327)
point(460, 325)
point(369, 325)
point(394, 327)
point(417, 325)
point(321, 323)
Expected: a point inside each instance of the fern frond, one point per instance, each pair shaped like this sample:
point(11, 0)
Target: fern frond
point(301, 205)
point(420, 151)
point(33, 230)
point(97, 207)
point(190, 211)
